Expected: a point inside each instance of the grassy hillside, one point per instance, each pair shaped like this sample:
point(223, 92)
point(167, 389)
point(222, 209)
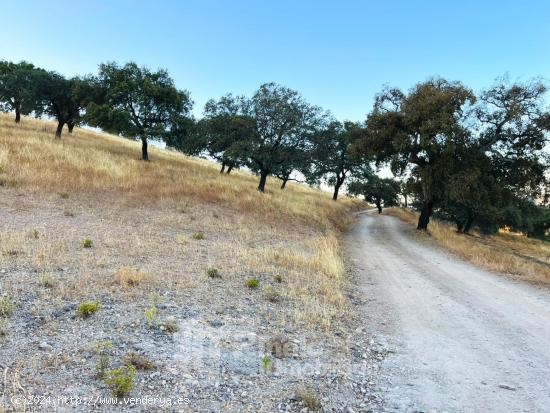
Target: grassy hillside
point(149, 213)
point(507, 253)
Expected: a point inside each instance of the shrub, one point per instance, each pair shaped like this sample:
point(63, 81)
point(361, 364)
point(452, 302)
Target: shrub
point(266, 362)
point(308, 398)
point(87, 243)
point(198, 235)
point(278, 279)
point(35, 234)
point(6, 307)
point(170, 326)
point(64, 195)
point(102, 350)
point(87, 308)
point(252, 283)
point(120, 380)
point(213, 273)
point(46, 279)
point(271, 294)
point(150, 315)
point(138, 361)
point(130, 276)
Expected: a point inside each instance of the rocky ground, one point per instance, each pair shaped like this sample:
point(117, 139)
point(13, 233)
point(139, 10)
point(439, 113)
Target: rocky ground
point(199, 343)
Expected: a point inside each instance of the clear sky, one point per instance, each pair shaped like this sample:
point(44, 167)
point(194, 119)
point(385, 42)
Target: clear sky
point(338, 54)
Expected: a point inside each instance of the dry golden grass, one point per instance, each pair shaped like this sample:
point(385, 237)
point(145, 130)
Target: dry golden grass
point(90, 161)
point(130, 277)
point(514, 254)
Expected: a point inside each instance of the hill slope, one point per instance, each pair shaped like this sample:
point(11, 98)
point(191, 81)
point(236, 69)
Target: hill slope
point(197, 271)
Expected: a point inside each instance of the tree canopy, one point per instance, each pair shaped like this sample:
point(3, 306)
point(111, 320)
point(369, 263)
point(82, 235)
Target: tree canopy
point(138, 103)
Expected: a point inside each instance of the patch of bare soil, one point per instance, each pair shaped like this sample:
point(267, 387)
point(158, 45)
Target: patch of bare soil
point(170, 284)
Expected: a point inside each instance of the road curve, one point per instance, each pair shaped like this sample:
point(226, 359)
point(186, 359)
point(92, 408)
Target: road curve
point(462, 339)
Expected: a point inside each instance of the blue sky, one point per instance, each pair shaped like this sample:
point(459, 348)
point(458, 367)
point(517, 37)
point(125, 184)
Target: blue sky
point(337, 54)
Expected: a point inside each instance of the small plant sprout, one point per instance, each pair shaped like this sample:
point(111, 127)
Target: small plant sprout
point(35, 234)
point(252, 283)
point(120, 380)
point(150, 315)
point(213, 273)
point(266, 363)
point(102, 348)
point(87, 243)
point(87, 308)
point(198, 235)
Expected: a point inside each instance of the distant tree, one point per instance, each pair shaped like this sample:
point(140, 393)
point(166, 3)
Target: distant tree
point(420, 132)
point(284, 125)
point(333, 158)
point(376, 190)
point(138, 103)
point(63, 99)
point(19, 88)
point(226, 127)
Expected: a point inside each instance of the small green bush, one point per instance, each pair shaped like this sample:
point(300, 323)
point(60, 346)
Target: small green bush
point(213, 273)
point(266, 362)
point(252, 283)
point(6, 307)
point(87, 308)
point(198, 235)
point(150, 315)
point(35, 234)
point(120, 380)
point(87, 243)
point(102, 348)
point(278, 279)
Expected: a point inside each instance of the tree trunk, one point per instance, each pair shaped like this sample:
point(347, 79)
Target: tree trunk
point(468, 224)
point(405, 196)
point(425, 214)
point(223, 168)
point(339, 183)
point(229, 169)
point(17, 115)
point(144, 154)
point(263, 179)
point(283, 185)
point(70, 126)
point(59, 129)
point(379, 206)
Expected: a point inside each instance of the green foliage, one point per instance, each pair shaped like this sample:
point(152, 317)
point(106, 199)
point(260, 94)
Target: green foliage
point(138, 103)
point(213, 273)
point(87, 308)
point(102, 350)
point(87, 243)
point(376, 190)
point(199, 235)
point(150, 315)
point(19, 87)
point(266, 362)
point(252, 283)
point(278, 278)
point(120, 380)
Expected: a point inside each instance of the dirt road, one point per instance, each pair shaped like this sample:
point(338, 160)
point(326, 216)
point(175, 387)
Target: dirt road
point(461, 339)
